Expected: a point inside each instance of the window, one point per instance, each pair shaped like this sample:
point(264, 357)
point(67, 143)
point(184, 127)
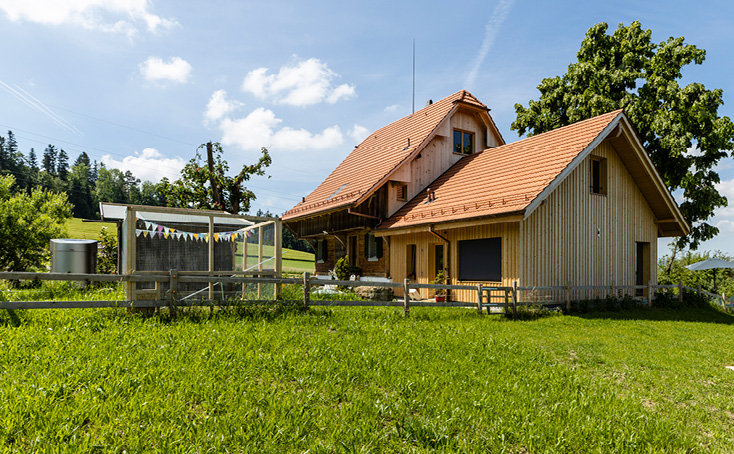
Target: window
point(320, 251)
point(372, 247)
point(598, 175)
point(480, 260)
point(437, 258)
point(463, 142)
point(402, 192)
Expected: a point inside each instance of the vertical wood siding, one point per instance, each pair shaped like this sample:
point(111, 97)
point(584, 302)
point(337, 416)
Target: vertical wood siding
point(509, 232)
point(588, 239)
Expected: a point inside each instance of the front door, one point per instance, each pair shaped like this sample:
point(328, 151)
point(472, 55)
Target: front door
point(642, 267)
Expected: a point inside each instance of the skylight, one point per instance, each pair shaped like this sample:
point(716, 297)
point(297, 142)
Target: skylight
point(337, 191)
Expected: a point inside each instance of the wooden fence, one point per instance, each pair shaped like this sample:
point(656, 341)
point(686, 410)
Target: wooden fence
point(491, 298)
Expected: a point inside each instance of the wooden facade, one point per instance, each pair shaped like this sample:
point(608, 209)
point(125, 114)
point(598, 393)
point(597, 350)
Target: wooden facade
point(580, 205)
point(576, 237)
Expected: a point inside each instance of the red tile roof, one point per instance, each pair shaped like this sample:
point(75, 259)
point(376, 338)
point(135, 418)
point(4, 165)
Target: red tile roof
point(377, 156)
point(501, 180)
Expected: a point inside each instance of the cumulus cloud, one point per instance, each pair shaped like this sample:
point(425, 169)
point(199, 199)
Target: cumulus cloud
point(114, 16)
point(148, 165)
point(725, 226)
point(392, 107)
point(308, 82)
point(260, 129)
point(154, 69)
point(359, 133)
point(219, 106)
point(726, 188)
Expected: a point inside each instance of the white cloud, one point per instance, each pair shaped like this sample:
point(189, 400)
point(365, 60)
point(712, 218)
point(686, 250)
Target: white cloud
point(726, 188)
point(308, 82)
point(114, 16)
point(359, 133)
point(148, 165)
point(392, 108)
point(258, 129)
point(725, 226)
point(154, 69)
point(219, 106)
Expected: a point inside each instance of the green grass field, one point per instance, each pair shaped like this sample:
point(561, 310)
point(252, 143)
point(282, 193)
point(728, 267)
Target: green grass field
point(88, 230)
point(366, 380)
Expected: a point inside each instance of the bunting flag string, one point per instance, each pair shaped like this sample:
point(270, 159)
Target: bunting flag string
point(153, 230)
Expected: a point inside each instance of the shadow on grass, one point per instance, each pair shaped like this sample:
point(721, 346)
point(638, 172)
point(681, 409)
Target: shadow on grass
point(685, 314)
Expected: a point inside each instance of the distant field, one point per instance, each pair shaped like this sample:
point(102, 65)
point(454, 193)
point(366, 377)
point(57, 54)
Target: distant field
point(366, 380)
point(293, 261)
point(88, 230)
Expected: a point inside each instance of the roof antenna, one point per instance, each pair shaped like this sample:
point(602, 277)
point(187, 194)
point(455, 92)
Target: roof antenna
point(413, 76)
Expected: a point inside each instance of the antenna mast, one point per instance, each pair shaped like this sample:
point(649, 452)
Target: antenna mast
point(413, 75)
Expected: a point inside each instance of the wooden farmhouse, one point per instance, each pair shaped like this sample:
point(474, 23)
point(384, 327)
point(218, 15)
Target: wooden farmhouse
point(440, 190)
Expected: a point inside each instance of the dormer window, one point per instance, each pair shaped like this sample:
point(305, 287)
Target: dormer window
point(463, 142)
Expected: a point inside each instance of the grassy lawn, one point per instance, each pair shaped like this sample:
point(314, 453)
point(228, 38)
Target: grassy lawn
point(367, 380)
point(88, 230)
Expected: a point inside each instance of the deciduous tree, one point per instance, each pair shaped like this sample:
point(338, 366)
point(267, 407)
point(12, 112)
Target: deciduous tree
point(27, 224)
point(206, 185)
point(679, 125)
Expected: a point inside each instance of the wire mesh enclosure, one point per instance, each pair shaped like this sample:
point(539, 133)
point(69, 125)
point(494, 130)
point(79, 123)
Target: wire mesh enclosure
point(157, 240)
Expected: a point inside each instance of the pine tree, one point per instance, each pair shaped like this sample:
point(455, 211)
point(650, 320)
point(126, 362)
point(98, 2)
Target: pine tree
point(49, 159)
point(62, 165)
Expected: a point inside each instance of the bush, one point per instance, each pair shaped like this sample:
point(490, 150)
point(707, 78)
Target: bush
point(343, 269)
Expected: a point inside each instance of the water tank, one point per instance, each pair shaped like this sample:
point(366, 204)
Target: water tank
point(73, 256)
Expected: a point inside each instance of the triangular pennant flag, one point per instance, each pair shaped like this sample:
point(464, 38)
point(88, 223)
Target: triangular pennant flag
point(216, 237)
point(166, 235)
point(138, 232)
point(147, 225)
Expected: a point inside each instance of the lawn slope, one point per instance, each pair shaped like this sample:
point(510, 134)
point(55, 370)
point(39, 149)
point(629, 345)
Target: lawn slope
point(367, 380)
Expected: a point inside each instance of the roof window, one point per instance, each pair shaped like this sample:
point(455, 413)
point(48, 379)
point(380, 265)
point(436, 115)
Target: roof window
point(337, 191)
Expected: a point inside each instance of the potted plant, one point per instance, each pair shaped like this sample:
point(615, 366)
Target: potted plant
point(440, 279)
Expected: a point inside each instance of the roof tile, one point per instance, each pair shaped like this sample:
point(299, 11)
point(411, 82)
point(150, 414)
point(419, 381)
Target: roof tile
point(500, 180)
point(377, 156)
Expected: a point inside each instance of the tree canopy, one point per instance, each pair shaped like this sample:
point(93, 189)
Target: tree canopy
point(679, 126)
point(206, 185)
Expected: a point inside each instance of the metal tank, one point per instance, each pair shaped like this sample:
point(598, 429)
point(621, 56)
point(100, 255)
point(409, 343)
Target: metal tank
point(73, 256)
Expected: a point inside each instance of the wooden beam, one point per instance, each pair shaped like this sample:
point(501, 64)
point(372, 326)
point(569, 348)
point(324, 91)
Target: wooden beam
point(211, 255)
point(278, 254)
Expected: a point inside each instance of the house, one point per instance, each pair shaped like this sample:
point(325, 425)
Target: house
point(581, 205)
point(381, 174)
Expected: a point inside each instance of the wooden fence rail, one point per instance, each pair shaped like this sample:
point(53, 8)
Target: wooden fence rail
point(488, 297)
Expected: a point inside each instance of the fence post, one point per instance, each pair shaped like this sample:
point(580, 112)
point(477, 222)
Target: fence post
point(306, 289)
point(698, 292)
point(173, 287)
point(406, 297)
point(680, 291)
point(650, 293)
point(479, 299)
point(568, 296)
point(514, 300)
point(612, 290)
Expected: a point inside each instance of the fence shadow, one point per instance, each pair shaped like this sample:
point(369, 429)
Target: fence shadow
point(707, 314)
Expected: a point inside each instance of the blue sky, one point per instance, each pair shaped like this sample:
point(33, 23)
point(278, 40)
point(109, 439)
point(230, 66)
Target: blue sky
point(140, 84)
